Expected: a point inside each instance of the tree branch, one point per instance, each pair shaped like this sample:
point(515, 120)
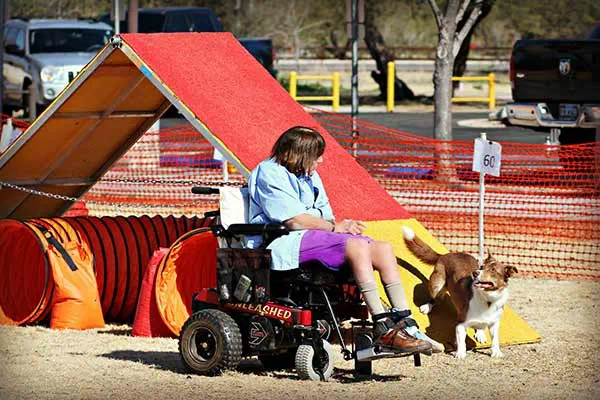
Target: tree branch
point(436, 13)
point(459, 36)
point(461, 11)
point(303, 28)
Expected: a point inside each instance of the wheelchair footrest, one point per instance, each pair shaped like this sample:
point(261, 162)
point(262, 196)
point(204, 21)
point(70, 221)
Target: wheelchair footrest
point(377, 352)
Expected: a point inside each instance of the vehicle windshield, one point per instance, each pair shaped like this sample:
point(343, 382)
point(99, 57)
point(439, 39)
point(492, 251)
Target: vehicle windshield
point(202, 23)
point(71, 40)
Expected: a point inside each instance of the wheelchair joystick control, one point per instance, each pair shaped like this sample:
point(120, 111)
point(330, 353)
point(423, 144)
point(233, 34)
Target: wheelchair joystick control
point(242, 289)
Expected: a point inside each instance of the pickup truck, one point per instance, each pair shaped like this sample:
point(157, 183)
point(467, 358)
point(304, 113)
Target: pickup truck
point(556, 88)
point(194, 19)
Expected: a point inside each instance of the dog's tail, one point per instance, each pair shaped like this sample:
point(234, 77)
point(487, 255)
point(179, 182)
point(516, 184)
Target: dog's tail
point(418, 247)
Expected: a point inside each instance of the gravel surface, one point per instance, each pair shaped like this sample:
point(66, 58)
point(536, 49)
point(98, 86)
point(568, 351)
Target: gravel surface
point(41, 363)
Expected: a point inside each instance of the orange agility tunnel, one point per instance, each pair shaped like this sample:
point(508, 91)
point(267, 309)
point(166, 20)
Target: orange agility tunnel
point(189, 266)
point(25, 275)
point(147, 321)
point(119, 248)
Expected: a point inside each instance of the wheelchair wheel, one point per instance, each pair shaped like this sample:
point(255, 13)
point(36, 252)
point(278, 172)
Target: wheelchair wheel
point(307, 363)
point(210, 342)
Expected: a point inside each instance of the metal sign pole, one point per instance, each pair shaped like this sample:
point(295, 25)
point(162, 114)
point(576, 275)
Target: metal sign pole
point(487, 157)
point(481, 207)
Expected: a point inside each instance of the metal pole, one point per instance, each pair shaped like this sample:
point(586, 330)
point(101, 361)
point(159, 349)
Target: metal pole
point(336, 91)
point(225, 171)
point(354, 112)
point(481, 206)
point(117, 17)
point(32, 102)
point(391, 73)
point(2, 20)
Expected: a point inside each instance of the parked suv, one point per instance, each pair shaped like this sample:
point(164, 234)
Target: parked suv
point(47, 54)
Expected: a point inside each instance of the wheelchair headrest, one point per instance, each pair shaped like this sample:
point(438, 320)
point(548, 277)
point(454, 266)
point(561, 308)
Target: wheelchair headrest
point(233, 205)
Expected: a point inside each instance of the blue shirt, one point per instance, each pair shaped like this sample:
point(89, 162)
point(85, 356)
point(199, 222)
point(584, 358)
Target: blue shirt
point(277, 195)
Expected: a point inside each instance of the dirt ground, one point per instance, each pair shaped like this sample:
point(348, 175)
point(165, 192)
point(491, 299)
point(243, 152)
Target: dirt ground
point(37, 362)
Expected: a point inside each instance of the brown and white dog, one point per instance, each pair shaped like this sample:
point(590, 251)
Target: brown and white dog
point(478, 294)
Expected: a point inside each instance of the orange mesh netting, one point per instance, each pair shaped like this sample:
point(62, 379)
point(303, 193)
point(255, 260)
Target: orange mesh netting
point(542, 213)
point(158, 172)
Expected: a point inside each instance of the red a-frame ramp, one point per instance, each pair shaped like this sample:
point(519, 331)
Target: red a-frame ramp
point(231, 100)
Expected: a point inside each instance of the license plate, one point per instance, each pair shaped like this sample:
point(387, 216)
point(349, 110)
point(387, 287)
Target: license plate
point(568, 111)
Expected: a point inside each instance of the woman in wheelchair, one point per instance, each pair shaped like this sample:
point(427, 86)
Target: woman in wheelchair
point(286, 188)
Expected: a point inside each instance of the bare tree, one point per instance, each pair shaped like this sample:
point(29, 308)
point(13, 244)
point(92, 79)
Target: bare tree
point(450, 40)
point(382, 55)
point(460, 62)
point(294, 23)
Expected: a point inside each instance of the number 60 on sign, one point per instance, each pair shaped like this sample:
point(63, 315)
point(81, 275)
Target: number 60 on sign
point(486, 157)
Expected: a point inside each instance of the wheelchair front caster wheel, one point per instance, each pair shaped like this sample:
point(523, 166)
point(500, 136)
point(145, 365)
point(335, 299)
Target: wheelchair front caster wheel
point(308, 365)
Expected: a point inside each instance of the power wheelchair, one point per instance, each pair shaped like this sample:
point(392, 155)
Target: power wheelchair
point(286, 318)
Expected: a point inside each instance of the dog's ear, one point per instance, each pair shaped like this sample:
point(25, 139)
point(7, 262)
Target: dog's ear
point(509, 271)
point(490, 257)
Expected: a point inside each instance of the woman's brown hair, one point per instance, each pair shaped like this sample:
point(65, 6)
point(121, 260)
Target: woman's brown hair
point(298, 148)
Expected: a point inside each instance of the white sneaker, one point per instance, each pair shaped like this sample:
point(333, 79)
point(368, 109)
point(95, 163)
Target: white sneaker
point(436, 347)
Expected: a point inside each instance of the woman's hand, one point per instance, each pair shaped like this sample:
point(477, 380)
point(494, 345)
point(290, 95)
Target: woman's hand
point(350, 226)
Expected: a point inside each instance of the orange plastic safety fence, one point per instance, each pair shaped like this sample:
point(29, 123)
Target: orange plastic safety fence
point(157, 174)
point(542, 214)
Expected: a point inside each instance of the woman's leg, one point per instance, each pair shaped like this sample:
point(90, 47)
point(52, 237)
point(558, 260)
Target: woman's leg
point(358, 253)
point(363, 256)
point(384, 261)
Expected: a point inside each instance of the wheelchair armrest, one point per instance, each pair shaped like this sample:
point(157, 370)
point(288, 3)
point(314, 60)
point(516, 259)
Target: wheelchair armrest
point(271, 229)
point(205, 190)
point(269, 232)
point(210, 214)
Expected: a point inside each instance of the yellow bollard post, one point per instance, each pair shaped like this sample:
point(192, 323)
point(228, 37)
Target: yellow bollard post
point(391, 75)
point(492, 83)
point(293, 80)
point(336, 91)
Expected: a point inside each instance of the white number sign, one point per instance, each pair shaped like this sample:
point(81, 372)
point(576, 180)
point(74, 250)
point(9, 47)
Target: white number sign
point(486, 157)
